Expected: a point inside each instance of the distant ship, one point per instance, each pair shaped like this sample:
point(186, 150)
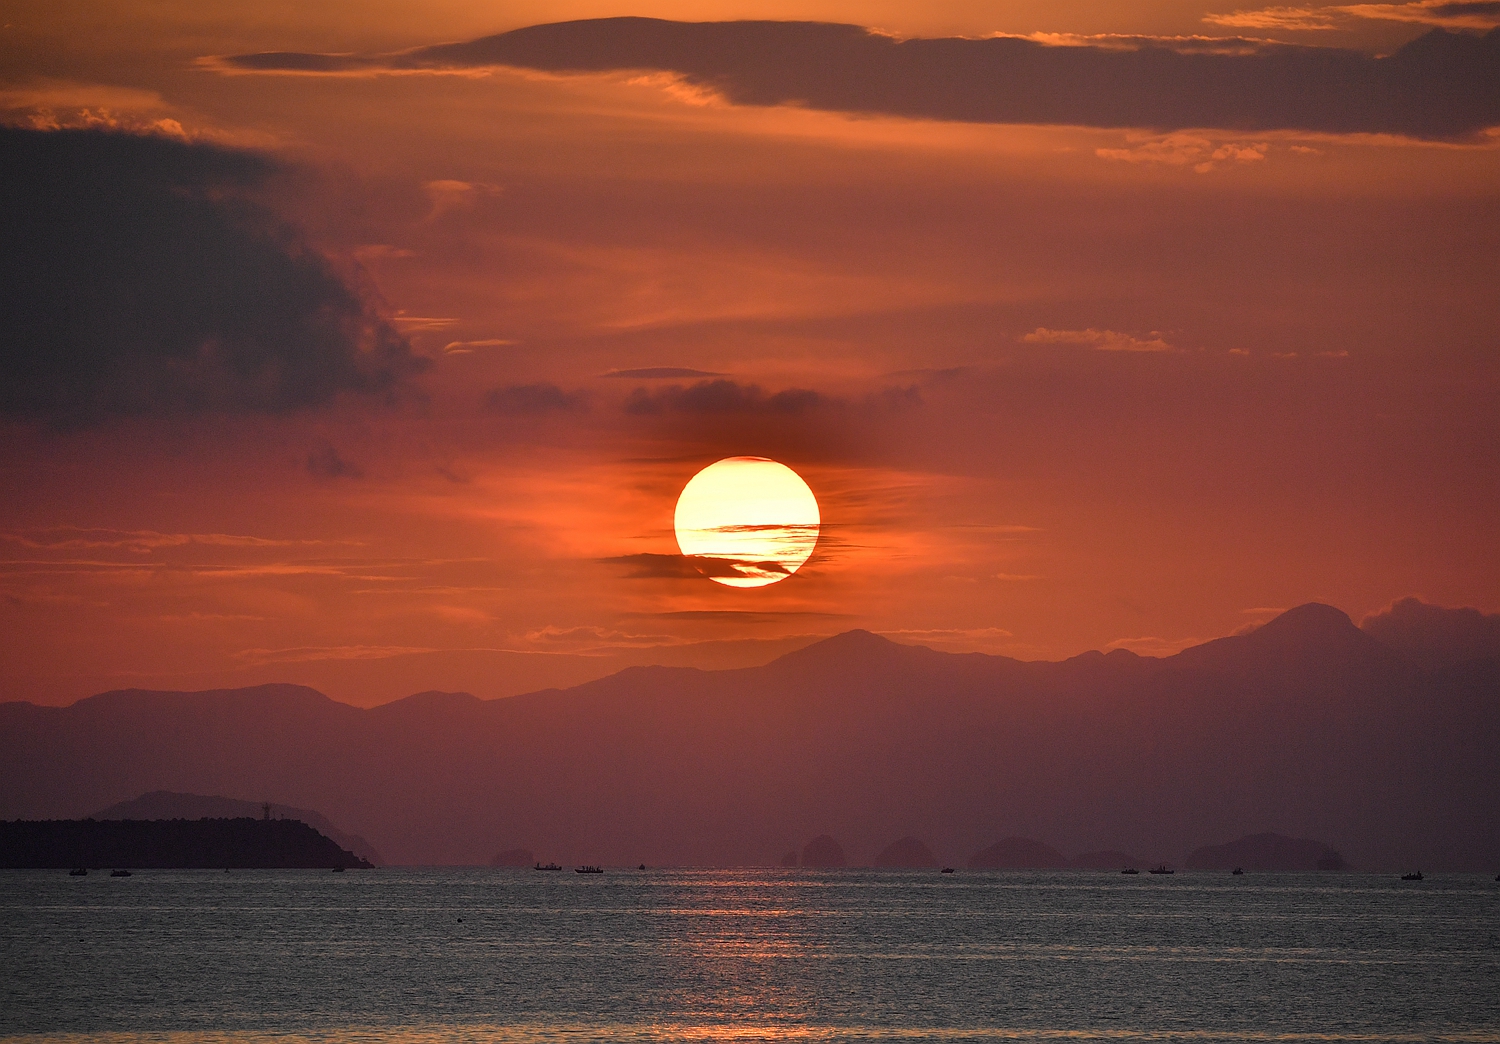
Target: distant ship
point(949, 870)
point(1237, 871)
point(1418, 876)
point(119, 873)
point(1130, 870)
point(549, 866)
point(588, 870)
point(83, 872)
point(1161, 870)
point(338, 869)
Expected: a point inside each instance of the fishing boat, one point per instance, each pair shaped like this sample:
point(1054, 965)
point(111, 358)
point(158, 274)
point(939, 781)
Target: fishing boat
point(119, 873)
point(1130, 870)
point(1238, 871)
point(82, 871)
point(588, 870)
point(947, 870)
point(1162, 869)
point(549, 866)
point(1416, 876)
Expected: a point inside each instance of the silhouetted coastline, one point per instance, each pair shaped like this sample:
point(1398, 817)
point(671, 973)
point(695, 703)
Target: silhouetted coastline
point(170, 844)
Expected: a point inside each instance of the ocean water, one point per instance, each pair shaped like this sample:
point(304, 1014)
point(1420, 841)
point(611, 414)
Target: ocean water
point(745, 955)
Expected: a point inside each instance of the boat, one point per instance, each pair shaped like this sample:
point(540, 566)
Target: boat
point(1130, 870)
point(588, 870)
point(82, 871)
point(641, 867)
point(338, 869)
point(549, 866)
point(1238, 871)
point(1162, 869)
point(1417, 876)
point(119, 873)
point(947, 870)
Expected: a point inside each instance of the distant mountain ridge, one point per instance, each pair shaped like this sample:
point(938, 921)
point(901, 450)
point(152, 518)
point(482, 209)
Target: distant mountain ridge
point(1308, 723)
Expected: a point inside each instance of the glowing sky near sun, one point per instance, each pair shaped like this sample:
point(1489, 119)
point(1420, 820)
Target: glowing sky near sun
point(454, 337)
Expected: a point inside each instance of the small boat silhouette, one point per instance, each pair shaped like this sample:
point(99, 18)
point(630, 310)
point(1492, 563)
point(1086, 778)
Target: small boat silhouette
point(82, 871)
point(947, 870)
point(549, 866)
point(1237, 871)
point(588, 870)
point(338, 869)
point(641, 867)
point(1162, 869)
point(119, 873)
point(1130, 870)
point(1418, 876)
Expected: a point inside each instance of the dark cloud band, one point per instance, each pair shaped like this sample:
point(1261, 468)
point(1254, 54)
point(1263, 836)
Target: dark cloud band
point(1442, 85)
point(138, 277)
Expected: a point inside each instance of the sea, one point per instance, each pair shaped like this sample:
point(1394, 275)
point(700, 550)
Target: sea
point(430, 956)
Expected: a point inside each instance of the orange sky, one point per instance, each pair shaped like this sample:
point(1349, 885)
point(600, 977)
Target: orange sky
point(1061, 387)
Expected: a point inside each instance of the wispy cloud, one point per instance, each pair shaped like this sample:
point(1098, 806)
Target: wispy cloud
point(1102, 340)
point(1448, 14)
point(1295, 19)
point(1183, 150)
point(69, 538)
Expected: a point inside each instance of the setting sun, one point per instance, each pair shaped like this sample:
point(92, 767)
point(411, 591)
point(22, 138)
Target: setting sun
point(747, 521)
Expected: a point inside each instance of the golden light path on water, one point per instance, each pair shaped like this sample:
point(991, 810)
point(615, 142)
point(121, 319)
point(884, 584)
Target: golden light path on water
point(747, 521)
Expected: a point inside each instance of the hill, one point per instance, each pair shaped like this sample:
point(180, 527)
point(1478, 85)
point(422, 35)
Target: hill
point(164, 804)
point(1309, 725)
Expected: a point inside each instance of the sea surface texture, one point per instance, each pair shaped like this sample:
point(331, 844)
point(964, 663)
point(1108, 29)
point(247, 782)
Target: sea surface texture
point(743, 955)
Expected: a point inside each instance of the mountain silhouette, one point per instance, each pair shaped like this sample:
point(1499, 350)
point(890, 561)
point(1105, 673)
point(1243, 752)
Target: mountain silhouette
point(1308, 723)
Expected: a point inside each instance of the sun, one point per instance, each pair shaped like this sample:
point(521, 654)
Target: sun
point(747, 521)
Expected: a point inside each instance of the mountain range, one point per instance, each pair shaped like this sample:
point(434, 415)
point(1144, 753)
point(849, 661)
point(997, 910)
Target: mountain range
point(1308, 726)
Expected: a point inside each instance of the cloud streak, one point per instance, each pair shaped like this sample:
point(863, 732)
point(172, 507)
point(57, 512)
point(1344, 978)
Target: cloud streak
point(1441, 86)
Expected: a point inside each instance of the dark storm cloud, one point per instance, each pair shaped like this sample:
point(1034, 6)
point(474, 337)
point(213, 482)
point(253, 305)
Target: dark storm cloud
point(138, 278)
point(720, 397)
point(531, 400)
point(1442, 85)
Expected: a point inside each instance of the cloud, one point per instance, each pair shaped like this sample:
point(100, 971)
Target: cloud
point(326, 463)
point(141, 541)
point(1449, 14)
point(1452, 14)
point(1433, 635)
point(1443, 85)
point(721, 396)
point(137, 277)
point(654, 373)
point(1102, 340)
point(647, 566)
point(1179, 150)
point(467, 347)
point(531, 400)
point(1296, 19)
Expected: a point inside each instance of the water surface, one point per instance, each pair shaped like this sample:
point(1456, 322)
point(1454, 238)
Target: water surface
point(744, 955)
